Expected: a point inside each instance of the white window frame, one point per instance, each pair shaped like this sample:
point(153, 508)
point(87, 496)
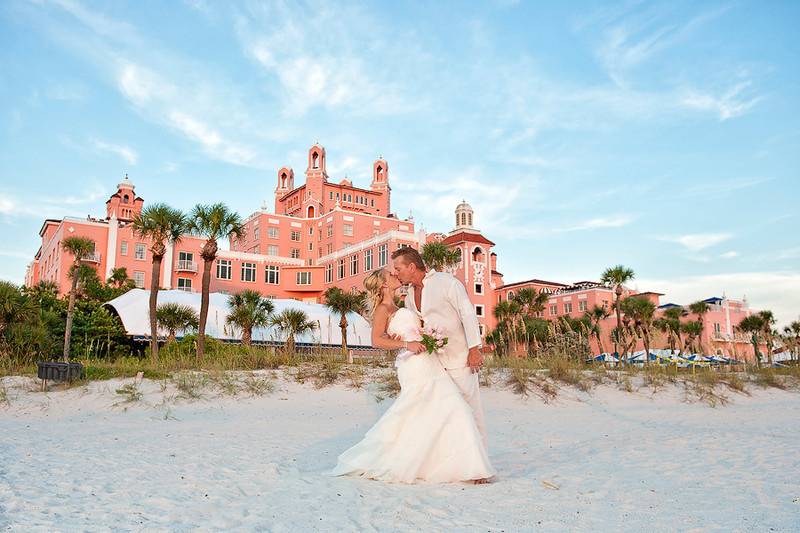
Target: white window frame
point(273, 232)
point(479, 291)
point(368, 260)
point(353, 265)
point(295, 253)
point(123, 248)
point(567, 308)
point(222, 266)
point(295, 235)
point(272, 274)
point(330, 230)
point(582, 305)
point(272, 249)
point(250, 269)
point(479, 310)
point(184, 284)
point(303, 277)
point(347, 230)
point(340, 269)
point(553, 309)
point(140, 251)
point(383, 255)
point(329, 273)
point(138, 279)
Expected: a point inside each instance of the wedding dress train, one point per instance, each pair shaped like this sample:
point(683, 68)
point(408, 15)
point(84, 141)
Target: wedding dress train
point(428, 434)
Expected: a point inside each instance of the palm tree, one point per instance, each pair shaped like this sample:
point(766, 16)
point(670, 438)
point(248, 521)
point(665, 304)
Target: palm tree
point(342, 303)
point(213, 222)
point(119, 279)
point(641, 312)
point(616, 277)
point(700, 308)
point(162, 225)
point(595, 316)
point(692, 329)
point(80, 248)
point(292, 322)
point(768, 320)
point(792, 331)
point(14, 306)
point(249, 310)
point(438, 256)
point(754, 325)
point(175, 317)
point(506, 313)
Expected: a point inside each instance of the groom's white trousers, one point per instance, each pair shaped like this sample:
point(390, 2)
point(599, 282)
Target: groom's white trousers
point(467, 381)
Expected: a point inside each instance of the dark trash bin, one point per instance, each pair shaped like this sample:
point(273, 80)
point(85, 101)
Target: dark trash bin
point(56, 371)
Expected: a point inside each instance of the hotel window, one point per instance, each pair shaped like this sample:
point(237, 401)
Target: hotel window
point(568, 307)
point(582, 305)
point(295, 235)
point(310, 246)
point(330, 248)
point(347, 230)
point(479, 288)
point(272, 249)
point(311, 230)
point(349, 197)
point(185, 284)
point(605, 304)
point(329, 273)
point(223, 269)
point(123, 248)
point(272, 233)
point(717, 328)
point(372, 202)
point(479, 310)
point(138, 279)
point(510, 296)
point(330, 230)
point(295, 253)
point(480, 328)
point(140, 251)
point(331, 195)
point(248, 271)
point(337, 195)
point(353, 265)
point(255, 234)
point(383, 255)
point(553, 310)
point(272, 274)
point(304, 278)
point(340, 269)
point(367, 260)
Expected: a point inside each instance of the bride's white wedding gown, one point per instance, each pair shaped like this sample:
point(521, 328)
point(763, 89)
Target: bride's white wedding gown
point(428, 434)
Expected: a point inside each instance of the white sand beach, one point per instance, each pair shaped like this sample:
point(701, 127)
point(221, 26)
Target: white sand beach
point(607, 460)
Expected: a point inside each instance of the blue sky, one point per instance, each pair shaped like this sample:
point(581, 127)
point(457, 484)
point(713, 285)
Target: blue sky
point(664, 136)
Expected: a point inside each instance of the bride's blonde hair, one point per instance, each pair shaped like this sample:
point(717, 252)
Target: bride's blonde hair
point(374, 286)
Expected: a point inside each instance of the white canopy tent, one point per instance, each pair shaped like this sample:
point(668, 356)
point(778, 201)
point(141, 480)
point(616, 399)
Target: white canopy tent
point(132, 308)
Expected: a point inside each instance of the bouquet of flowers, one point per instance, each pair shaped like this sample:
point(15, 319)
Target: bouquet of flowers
point(433, 339)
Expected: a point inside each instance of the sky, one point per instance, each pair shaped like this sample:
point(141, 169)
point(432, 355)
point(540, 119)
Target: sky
point(661, 136)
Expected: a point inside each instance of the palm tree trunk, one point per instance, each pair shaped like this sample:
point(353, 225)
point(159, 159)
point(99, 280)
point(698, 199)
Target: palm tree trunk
point(343, 326)
point(290, 343)
point(201, 330)
point(247, 336)
point(70, 313)
point(155, 281)
point(619, 328)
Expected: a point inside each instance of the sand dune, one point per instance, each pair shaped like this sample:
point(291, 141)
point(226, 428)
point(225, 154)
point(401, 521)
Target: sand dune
point(606, 461)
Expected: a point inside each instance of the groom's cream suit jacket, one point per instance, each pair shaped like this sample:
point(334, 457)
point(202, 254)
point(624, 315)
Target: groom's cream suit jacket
point(445, 304)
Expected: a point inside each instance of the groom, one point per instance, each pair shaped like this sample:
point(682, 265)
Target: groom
point(441, 300)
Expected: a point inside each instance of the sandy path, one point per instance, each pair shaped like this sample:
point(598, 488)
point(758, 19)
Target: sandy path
point(70, 461)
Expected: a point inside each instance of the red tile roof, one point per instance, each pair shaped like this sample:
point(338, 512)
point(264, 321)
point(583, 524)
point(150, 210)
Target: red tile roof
point(462, 236)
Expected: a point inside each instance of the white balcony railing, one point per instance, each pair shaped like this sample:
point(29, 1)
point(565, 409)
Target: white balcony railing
point(185, 289)
point(93, 257)
point(185, 265)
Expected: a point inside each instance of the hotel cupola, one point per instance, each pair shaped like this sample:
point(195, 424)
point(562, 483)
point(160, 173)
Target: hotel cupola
point(124, 205)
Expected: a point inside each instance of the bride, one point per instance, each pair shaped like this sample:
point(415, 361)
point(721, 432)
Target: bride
point(429, 433)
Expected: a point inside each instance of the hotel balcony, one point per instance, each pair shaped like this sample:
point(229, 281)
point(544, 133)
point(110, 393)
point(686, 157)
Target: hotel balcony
point(186, 266)
point(93, 257)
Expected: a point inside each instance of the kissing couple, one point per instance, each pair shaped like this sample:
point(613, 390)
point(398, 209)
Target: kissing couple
point(434, 432)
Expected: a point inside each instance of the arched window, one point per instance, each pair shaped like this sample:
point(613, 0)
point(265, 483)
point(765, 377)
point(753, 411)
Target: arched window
point(380, 173)
point(125, 199)
point(456, 219)
point(510, 295)
point(283, 180)
point(311, 211)
point(469, 218)
point(477, 253)
point(315, 160)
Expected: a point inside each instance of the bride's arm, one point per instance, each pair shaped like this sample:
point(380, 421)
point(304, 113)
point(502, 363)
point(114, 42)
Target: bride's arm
point(381, 339)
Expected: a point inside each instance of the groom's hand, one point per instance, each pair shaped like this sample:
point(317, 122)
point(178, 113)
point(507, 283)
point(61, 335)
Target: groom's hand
point(474, 359)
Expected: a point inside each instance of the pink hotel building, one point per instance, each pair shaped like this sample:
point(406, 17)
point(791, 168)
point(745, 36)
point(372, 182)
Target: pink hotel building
point(324, 234)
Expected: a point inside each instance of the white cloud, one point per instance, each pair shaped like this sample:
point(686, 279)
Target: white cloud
point(615, 221)
point(732, 103)
point(777, 291)
point(730, 255)
point(125, 152)
point(698, 241)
